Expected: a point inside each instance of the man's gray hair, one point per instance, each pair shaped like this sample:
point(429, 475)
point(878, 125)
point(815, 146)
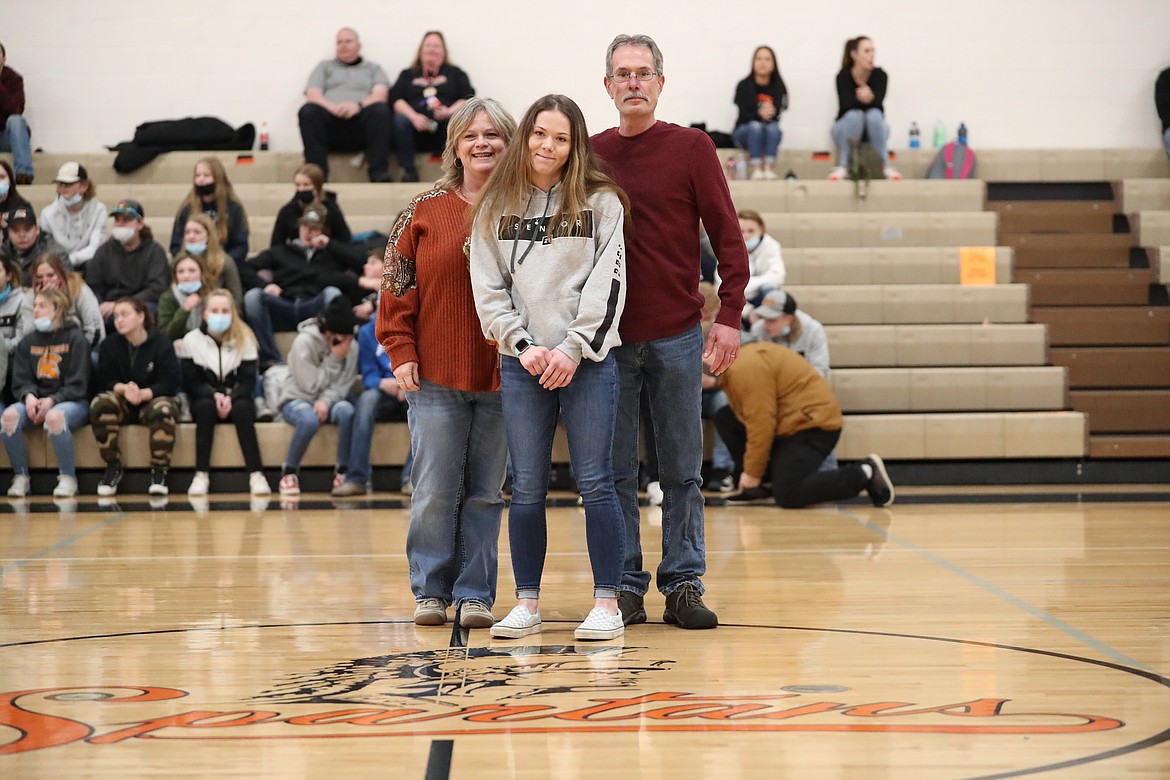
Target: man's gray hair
point(633, 40)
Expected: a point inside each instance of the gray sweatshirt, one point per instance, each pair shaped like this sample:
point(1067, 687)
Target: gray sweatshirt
point(86, 310)
point(78, 234)
point(10, 314)
point(560, 285)
point(313, 373)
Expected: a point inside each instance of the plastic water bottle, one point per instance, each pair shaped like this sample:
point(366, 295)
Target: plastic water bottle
point(962, 136)
point(940, 134)
point(264, 136)
point(730, 165)
point(915, 136)
point(740, 167)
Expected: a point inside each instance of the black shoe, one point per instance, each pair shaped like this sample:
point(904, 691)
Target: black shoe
point(725, 484)
point(24, 178)
point(109, 484)
point(879, 487)
point(409, 175)
point(685, 608)
point(380, 178)
point(750, 494)
point(632, 607)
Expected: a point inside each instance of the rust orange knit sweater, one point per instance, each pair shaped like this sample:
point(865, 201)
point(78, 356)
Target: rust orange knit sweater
point(427, 311)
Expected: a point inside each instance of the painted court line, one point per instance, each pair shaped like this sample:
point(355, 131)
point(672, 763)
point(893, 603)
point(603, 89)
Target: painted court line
point(61, 544)
point(999, 593)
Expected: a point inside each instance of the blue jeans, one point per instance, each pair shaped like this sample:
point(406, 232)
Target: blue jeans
point(758, 139)
point(671, 368)
point(372, 405)
point(76, 415)
point(589, 406)
point(850, 128)
point(270, 313)
point(16, 139)
point(1166, 141)
point(452, 544)
point(713, 401)
point(305, 424)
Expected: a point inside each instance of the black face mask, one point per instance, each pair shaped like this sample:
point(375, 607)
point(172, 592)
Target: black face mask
point(306, 196)
point(203, 190)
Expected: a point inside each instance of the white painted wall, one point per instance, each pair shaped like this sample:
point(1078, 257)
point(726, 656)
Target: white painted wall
point(1020, 73)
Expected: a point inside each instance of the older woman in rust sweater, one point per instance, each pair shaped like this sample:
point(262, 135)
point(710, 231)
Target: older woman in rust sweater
point(428, 325)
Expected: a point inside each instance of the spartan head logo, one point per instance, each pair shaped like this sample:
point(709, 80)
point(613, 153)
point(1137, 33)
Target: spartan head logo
point(457, 677)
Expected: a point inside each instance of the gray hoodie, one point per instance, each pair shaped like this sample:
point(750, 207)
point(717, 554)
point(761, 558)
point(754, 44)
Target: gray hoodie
point(313, 373)
point(561, 285)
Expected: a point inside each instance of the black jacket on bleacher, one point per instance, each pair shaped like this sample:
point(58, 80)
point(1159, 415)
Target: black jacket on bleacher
point(301, 273)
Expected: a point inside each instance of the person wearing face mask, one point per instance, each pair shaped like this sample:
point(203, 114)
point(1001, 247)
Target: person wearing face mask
point(201, 241)
point(25, 241)
point(130, 264)
point(9, 197)
point(765, 266)
point(180, 308)
point(48, 273)
point(778, 320)
point(11, 303)
point(219, 375)
point(50, 374)
point(309, 181)
point(212, 194)
point(76, 219)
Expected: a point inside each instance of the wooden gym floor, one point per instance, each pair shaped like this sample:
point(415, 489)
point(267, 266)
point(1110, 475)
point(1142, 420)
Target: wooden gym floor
point(982, 634)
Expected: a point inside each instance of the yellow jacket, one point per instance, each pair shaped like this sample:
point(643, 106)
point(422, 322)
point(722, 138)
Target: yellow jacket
point(775, 392)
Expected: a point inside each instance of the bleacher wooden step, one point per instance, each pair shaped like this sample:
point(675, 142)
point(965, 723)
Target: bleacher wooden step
point(1032, 256)
point(894, 304)
point(1099, 367)
point(1124, 325)
point(950, 389)
point(998, 344)
point(1087, 287)
point(1124, 411)
point(1144, 195)
point(1065, 240)
point(1129, 446)
point(1054, 216)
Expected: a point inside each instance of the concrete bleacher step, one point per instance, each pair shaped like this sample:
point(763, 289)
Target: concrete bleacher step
point(1054, 216)
point(998, 344)
point(871, 265)
point(816, 195)
point(883, 229)
point(1115, 367)
point(965, 389)
point(1152, 227)
point(893, 304)
point(1124, 325)
point(962, 436)
point(1146, 445)
point(1144, 195)
point(1087, 287)
point(1124, 411)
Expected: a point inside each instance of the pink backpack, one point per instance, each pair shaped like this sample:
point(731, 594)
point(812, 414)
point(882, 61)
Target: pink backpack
point(953, 161)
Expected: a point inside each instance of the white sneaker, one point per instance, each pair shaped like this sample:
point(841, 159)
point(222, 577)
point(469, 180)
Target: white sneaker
point(600, 623)
point(757, 175)
point(66, 487)
point(838, 173)
point(290, 485)
point(654, 493)
point(891, 173)
point(20, 486)
point(519, 622)
point(770, 174)
point(258, 484)
point(200, 484)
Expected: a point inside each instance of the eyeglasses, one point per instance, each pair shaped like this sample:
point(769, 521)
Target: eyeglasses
point(623, 76)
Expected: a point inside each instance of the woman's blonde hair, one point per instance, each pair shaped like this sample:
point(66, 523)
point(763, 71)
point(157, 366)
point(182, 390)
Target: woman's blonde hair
point(239, 333)
point(214, 258)
point(59, 301)
point(224, 193)
point(501, 120)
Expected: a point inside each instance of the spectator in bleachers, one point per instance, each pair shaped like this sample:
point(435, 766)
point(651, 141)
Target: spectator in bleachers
point(714, 399)
point(26, 242)
point(50, 375)
point(309, 181)
point(11, 298)
point(10, 198)
point(370, 283)
point(861, 92)
point(778, 320)
point(180, 308)
point(312, 388)
point(76, 219)
point(307, 273)
point(382, 400)
point(48, 273)
point(425, 97)
point(347, 109)
point(1162, 103)
point(212, 194)
point(130, 264)
point(428, 324)
point(783, 420)
point(760, 98)
point(15, 136)
point(765, 266)
point(201, 241)
point(138, 377)
point(219, 375)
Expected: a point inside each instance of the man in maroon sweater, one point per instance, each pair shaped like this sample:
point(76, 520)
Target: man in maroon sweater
point(14, 133)
point(674, 180)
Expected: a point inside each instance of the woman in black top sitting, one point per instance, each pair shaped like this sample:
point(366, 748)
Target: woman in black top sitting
point(760, 98)
point(309, 181)
point(861, 90)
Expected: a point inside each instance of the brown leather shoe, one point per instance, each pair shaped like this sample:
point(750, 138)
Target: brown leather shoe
point(23, 178)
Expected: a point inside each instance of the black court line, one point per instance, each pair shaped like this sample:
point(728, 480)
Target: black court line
point(439, 761)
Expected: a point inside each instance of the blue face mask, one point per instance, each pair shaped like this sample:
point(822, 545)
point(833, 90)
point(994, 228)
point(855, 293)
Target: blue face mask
point(67, 202)
point(5, 293)
point(219, 323)
point(784, 333)
point(196, 249)
point(752, 243)
point(4, 187)
point(190, 287)
point(43, 324)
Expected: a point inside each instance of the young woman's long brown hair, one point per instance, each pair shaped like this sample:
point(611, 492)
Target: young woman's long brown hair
point(224, 192)
point(214, 258)
point(508, 189)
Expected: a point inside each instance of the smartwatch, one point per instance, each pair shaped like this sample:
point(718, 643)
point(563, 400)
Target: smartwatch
point(521, 345)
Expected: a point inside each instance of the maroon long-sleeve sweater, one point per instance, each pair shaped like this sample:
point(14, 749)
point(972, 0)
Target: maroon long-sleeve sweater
point(11, 93)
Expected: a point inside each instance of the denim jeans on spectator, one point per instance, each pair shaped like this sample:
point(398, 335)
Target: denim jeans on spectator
point(301, 415)
point(1166, 141)
point(268, 314)
point(671, 368)
point(76, 415)
point(452, 544)
point(713, 401)
point(15, 138)
point(855, 123)
point(373, 405)
point(758, 139)
point(589, 407)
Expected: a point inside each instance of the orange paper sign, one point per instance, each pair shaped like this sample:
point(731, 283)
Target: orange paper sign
point(977, 265)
